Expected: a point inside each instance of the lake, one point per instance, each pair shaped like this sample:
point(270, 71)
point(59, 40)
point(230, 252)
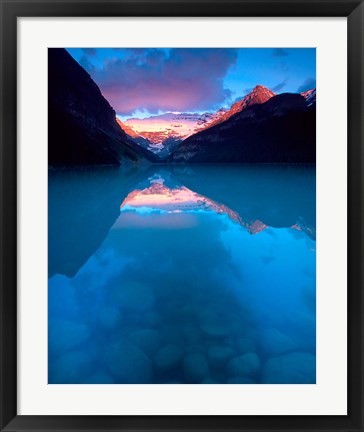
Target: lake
point(182, 274)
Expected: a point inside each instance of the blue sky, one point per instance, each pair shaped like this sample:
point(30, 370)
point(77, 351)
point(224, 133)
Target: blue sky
point(141, 82)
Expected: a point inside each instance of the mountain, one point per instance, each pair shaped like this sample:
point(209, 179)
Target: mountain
point(310, 96)
point(82, 129)
point(258, 95)
point(163, 133)
point(280, 130)
point(132, 135)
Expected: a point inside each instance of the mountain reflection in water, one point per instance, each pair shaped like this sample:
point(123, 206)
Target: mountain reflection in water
point(182, 275)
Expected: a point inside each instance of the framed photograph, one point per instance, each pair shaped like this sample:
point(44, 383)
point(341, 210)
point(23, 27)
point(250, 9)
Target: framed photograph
point(181, 215)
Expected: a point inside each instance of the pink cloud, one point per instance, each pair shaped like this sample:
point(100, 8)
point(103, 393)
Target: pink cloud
point(174, 80)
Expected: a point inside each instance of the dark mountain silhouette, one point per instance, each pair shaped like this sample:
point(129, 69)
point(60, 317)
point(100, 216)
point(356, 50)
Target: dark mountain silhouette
point(278, 196)
point(85, 204)
point(280, 130)
point(82, 129)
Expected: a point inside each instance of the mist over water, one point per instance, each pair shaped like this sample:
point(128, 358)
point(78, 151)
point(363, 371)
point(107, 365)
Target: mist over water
point(203, 274)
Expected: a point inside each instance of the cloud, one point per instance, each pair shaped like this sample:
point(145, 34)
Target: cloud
point(165, 80)
point(280, 52)
point(89, 51)
point(280, 86)
point(308, 84)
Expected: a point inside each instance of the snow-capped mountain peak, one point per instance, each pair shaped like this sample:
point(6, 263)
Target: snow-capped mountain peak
point(310, 96)
point(164, 132)
point(258, 95)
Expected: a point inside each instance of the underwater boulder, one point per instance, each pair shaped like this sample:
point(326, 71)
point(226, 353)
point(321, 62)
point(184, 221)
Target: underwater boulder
point(133, 297)
point(246, 365)
point(127, 363)
point(168, 358)
point(209, 380)
point(65, 335)
point(196, 349)
point(274, 343)
point(294, 368)
point(218, 355)
point(71, 368)
point(241, 380)
point(109, 318)
point(195, 368)
point(245, 345)
point(99, 378)
point(147, 340)
point(211, 324)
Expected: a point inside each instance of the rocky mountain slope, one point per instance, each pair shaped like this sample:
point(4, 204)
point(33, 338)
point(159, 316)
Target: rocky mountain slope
point(310, 96)
point(258, 95)
point(280, 130)
point(163, 133)
point(133, 136)
point(82, 129)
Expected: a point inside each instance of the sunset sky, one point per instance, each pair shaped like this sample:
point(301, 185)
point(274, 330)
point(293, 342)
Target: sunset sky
point(141, 82)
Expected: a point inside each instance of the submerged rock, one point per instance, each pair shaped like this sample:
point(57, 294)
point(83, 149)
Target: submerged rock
point(147, 340)
point(196, 349)
point(246, 365)
point(211, 324)
point(241, 380)
point(280, 130)
point(110, 318)
point(168, 357)
point(132, 319)
point(133, 297)
point(190, 334)
point(274, 343)
point(71, 368)
point(195, 368)
point(99, 378)
point(127, 363)
point(209, 381)
point(294, 368)
point(150, 319)
point(66, 335)
point(245, 345)
point(218, 355)
point(214, 330)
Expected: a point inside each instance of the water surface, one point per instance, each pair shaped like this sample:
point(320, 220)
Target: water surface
point(199, 274)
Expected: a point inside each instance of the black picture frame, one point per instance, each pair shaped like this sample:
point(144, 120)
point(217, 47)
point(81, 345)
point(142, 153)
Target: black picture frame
point(12, 9)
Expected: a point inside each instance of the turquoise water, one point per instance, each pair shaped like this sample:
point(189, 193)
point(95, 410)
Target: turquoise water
point(199, 274)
